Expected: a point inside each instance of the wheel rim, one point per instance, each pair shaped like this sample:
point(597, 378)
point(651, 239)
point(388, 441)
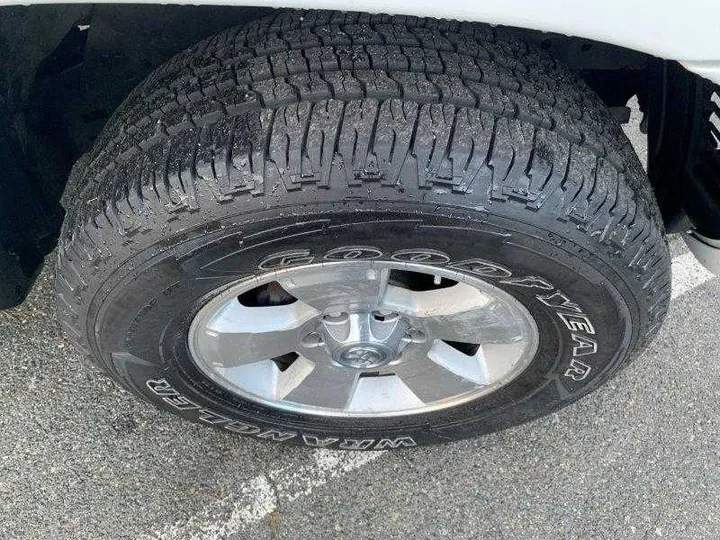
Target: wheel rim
point(362, 339)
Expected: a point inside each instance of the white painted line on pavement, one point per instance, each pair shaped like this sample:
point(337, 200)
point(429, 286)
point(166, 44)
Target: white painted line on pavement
point(687, 273)
point(261, 495)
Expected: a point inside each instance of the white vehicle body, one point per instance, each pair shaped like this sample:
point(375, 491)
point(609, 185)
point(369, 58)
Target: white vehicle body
point(684, 31)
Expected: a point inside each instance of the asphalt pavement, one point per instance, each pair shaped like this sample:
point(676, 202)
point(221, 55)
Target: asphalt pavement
point(80, 458)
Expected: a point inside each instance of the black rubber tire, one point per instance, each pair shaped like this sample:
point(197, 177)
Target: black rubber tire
point(311, 131)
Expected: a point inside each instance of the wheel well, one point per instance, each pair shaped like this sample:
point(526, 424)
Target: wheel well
point(75, 65)
point(684, 149)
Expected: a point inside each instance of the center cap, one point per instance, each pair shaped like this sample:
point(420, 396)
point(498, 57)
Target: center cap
point(362, 339)
point(364, 356)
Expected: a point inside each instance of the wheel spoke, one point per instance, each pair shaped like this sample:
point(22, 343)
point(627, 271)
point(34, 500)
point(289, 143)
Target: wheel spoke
point(348, 287)
point(428, 380)
point(265, 379)
point(458, 313)
point(500, 358)
point(236, 318)
point(471, 368)
point(238, 334)
point(230, 349)
point(380, 394)
point(326, 386)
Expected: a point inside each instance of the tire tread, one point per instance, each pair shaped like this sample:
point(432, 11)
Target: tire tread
point(456, 106)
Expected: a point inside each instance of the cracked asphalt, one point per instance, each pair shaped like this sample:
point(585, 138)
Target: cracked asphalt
point(80, 458)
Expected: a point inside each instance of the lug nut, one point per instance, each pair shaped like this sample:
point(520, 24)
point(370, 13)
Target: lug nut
point(313, 339)
point(414, 335)
point(335, 317)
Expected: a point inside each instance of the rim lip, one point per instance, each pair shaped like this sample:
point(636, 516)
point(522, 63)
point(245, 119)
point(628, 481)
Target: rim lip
point(233, 290)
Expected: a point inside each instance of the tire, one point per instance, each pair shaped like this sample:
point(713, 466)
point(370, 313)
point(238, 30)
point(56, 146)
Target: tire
point(397, 139)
